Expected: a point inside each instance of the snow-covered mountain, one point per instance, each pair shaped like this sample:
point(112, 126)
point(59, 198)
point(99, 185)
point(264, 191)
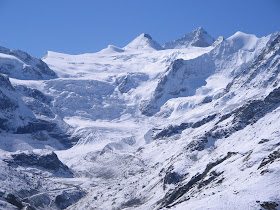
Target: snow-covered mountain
point(143, 42)
point(196, 38)
point(20, 65)
point(191, 125)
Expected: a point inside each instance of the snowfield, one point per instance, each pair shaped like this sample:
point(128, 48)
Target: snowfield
point(192, 124)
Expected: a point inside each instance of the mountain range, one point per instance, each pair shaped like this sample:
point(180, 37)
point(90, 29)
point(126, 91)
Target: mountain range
point(191, 124)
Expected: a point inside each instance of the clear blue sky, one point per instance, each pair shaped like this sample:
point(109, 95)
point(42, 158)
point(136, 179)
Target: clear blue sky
point(80, 26)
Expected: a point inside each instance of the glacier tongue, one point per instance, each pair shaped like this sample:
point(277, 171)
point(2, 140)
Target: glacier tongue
point(191, 126)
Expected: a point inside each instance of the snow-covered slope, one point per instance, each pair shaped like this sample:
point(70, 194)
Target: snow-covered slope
point(191, 126)
point(20, 65)
point(205, 76)
point(25, 110)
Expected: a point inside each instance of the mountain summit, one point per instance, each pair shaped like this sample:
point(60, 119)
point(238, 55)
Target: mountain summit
point(143, 42)
point(196, 38)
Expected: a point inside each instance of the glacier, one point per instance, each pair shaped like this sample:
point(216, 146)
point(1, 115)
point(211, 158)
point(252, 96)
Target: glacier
point(192, 124)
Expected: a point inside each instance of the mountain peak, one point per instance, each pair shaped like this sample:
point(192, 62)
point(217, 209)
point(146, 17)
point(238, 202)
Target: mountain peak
point(241, 35)
point(243, 40)
point(143, 42)
point(197, 38)
point(199, 29)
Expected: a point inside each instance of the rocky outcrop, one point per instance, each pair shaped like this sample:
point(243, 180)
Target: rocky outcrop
point(196, 181)
point(270, 159)
point(43, 160)
point(12, 199)
point(177, 129)
point(269, 205)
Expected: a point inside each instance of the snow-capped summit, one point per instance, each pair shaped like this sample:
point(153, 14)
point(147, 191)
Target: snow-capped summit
point(196, 38)
point(143, 42)
point(243, 40)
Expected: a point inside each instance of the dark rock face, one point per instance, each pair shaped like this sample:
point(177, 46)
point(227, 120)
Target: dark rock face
point(204, 121)
point(171, 178)
point(269, 205)
point(12, 199)
point(177, 129)
point(5, 82)
point(263, 141)
point(148, 36)
point(213, 175)
point(66, 139)
point(172, 130)
point(48, 161)
point(7, 103)
point(270, 159)
point(66, 199)
point(207, 99)
point(35, 126)
point(197, 180)
point(131, 203)
point(197, 144)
